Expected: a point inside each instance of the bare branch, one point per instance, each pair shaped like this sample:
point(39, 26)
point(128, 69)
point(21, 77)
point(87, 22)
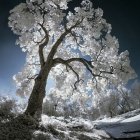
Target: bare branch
point(32, 77)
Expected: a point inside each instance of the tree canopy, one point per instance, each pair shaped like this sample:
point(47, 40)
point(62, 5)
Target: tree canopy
point(84, 55)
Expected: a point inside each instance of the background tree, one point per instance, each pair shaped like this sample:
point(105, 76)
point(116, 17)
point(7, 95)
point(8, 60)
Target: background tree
point(9, 108)
point(76, 49)
point(57, 105)
point(135, 95)
point(112, 102)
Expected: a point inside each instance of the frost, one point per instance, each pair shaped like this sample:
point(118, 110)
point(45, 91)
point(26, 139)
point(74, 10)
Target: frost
point(83, 41)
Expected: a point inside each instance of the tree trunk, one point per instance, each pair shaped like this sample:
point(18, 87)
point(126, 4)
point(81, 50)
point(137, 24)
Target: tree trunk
point(35, 101)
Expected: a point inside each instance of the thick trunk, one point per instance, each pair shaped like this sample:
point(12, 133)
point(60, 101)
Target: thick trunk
point(35, 101)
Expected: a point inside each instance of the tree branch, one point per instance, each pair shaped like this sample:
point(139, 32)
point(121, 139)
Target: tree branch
point(45, 41)
point(66, 63)
point(86, 63)
point(60, 39)
point(77, 75)
point(32, 77)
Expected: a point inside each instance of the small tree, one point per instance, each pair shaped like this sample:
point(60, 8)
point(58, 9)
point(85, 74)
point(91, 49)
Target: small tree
point(73, 48)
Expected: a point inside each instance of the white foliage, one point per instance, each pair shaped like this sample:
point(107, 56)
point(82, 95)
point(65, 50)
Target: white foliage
point(90, 39)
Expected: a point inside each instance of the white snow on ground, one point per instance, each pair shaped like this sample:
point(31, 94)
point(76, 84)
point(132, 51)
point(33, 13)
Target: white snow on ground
point(78, 125)
point(132, 119)
point(122, 126)
point(57, 122)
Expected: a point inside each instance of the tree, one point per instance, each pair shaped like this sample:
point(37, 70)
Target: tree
point(107, 103)
point(135, 95)
point(74, 105)
point(73, 48)
point(112, 102)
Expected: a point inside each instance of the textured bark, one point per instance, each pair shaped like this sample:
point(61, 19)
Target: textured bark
point(35, 101)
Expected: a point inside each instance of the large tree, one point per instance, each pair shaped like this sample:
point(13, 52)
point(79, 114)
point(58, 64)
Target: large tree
point(75, 48)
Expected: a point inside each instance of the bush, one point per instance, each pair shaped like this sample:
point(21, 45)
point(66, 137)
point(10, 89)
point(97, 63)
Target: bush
point(8, 108)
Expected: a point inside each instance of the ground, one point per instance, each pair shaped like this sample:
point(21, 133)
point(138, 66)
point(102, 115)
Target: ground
point(126, 126)
point(120, 127)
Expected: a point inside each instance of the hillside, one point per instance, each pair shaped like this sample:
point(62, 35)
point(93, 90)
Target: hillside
point(120, 127)
point(24, 127)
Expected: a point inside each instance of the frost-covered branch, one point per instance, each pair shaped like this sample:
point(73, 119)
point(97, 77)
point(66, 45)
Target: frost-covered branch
point(66, 63)
point(41, 46)
point(60, 39)
point(86, 63)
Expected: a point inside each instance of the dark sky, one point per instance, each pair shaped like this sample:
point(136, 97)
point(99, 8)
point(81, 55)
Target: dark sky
point(123, 15)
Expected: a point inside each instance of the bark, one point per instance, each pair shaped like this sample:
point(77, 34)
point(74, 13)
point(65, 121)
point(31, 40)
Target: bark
point(35, 101)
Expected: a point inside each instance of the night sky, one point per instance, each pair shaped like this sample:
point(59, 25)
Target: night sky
point(123, 15)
